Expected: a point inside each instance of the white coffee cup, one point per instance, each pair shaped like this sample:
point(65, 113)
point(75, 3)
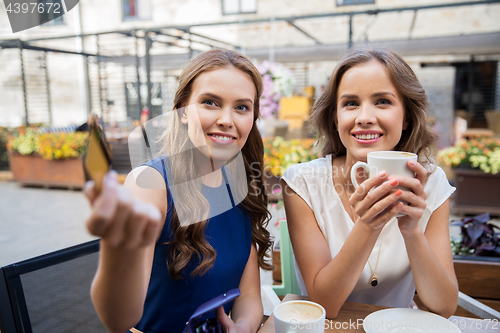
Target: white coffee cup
point(394, 163)
point(299, 317)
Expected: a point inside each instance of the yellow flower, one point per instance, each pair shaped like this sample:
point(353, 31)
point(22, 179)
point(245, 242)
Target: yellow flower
point(50, 145)
point(481, 153)
point(280, 154)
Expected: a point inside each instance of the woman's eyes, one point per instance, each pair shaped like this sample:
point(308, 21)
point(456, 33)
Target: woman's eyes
point(350, 103)
point(242, 108)
point(212, 103)
point(209, 102)
point(384, 101)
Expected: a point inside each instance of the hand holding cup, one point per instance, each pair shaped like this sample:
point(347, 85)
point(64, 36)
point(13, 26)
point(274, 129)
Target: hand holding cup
point(394, 163)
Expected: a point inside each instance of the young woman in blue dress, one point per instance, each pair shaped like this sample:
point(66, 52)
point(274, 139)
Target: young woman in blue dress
point(189, 225)
point(348, 243)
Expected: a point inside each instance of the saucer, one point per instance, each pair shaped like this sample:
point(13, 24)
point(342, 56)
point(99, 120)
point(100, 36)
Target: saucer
point(407, 321)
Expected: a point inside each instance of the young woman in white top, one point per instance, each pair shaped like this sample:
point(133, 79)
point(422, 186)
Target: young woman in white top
point(348, 243)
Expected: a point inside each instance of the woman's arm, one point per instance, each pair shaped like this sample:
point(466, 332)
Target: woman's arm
point(330, 281)
point(247, 310)
point(129, 220)
point(430, 254)
point(431, 262)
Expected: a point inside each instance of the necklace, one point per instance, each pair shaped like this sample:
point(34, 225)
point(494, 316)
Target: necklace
point(373, 279)
point(346, 186)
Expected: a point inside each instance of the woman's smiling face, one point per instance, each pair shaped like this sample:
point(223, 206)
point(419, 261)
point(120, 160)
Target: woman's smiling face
point(220, 112)
point(370, 110)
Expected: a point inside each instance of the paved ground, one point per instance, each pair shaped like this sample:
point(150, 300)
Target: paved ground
point(35, 221)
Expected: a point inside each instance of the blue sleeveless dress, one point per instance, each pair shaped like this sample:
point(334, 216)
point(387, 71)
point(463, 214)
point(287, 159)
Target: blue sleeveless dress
point(170, 302)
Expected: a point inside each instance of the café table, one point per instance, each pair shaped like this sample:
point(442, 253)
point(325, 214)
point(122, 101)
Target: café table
point(351, 315)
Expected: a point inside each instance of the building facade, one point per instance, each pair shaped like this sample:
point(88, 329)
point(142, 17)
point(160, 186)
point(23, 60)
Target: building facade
point(453, 46)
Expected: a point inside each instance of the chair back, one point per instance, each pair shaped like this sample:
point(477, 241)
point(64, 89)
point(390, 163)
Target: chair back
point(493, 120)
point(289, 284)
point(50, 293)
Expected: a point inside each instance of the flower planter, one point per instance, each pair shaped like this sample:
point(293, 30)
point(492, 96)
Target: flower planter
point(34, 170)
point(477, 192)
point(478, 277)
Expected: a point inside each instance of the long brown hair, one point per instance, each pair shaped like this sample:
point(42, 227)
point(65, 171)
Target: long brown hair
point(417, 138)
point(188, 240)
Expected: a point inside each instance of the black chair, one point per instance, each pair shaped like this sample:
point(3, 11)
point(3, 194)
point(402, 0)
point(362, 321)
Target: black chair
point(50, 293)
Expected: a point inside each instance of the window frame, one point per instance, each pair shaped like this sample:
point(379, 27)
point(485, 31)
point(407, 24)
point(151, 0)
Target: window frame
point(58, 21)
point(239, 12)
point(342, 3)
point(139, 16)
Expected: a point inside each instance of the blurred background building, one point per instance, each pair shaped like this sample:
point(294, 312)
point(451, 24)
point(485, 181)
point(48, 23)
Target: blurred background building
point(116, 58)
point(120, 58)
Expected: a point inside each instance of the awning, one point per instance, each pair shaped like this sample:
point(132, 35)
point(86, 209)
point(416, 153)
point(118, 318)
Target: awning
point(465, 45)
point(472, 45)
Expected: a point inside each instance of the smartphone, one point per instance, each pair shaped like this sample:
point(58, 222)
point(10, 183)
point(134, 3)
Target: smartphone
point(97, 157)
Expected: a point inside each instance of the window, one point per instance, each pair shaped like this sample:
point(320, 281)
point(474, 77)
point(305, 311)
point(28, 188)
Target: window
point(132, 98)
point(354, 2)
point(136, 9)
point(230, 7)
point(54, 13)
point(475, 84)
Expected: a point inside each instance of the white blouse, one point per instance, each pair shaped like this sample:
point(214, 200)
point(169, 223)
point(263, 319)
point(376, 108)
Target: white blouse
point(313, 182)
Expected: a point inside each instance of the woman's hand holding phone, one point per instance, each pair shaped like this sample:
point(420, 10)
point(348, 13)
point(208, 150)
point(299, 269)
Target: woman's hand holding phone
point(120, 219)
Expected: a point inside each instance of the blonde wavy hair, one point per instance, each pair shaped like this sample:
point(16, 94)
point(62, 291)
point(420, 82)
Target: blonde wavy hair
point(188, 237)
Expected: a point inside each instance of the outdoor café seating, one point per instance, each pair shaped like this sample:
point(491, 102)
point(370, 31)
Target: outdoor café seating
point(355, 312)
point(50, 293)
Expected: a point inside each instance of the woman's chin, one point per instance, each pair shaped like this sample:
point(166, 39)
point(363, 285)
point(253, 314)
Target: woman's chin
point(224, 153)
point(215, 159)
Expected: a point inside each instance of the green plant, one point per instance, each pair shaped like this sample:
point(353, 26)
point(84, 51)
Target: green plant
point(280, 154)
point(5, 133)
point(51, 146)
point(481, 153)
point(25, 143)
point(458, 248)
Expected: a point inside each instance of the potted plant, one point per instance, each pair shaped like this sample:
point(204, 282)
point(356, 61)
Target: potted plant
point(47, 159)
point(279, 155)
point(476, 258)
point(277, 82)
point(5, 133)
point(476, 166)
point(478, 237)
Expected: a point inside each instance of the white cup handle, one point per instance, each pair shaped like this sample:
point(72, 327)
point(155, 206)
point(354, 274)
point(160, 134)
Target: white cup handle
point(354, 168)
